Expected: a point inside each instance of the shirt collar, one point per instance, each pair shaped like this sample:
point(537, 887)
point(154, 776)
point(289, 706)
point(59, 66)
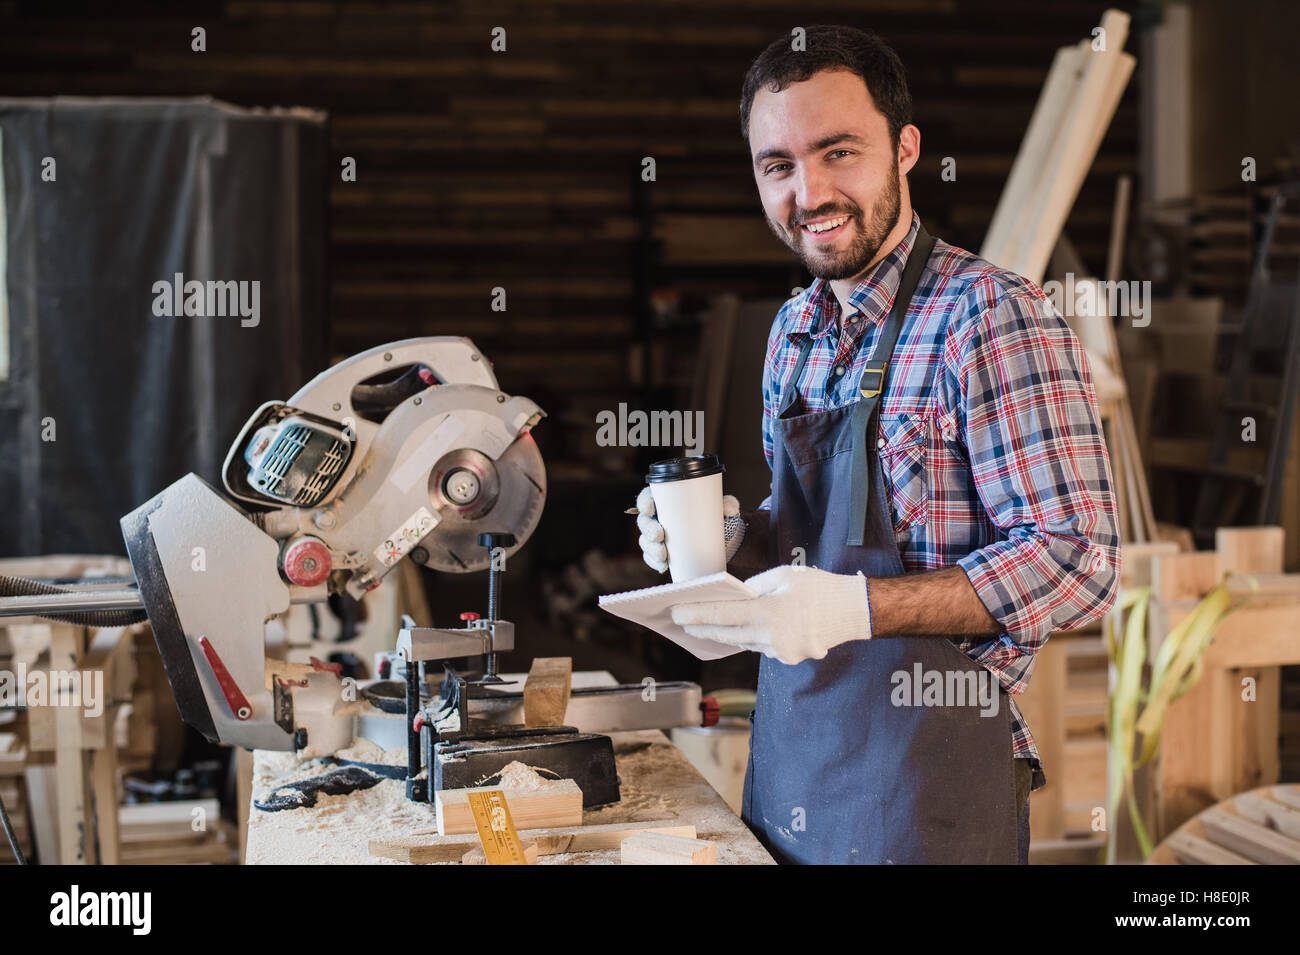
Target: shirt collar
point(873, 296)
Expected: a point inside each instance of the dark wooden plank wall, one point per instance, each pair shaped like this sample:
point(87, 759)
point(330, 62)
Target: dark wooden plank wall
point(479, 169)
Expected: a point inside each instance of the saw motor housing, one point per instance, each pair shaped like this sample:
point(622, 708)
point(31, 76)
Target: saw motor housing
point(407, 445)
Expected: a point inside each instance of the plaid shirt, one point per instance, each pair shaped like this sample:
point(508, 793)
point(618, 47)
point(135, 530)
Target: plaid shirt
point(993, 444)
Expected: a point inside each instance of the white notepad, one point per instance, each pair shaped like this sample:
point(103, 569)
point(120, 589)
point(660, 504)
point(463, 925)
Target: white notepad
point(652, 607)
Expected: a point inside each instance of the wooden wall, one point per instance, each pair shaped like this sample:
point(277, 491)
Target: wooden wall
point(521, 169)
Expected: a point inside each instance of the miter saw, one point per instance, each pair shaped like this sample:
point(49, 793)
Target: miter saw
point(408, 449)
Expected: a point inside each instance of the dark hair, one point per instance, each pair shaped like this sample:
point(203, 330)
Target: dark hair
point(833, 48)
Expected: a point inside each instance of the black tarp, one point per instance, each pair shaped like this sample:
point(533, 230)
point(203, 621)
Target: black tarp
point(142, 190)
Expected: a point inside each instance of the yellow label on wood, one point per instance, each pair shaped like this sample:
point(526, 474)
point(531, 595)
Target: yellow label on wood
point(496, 830)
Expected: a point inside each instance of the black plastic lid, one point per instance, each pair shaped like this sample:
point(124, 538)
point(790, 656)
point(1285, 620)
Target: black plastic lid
point(680, 469)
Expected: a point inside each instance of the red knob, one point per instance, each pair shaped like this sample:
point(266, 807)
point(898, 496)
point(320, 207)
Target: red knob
point(710, 710)
point(469, 615)
point(307, 562)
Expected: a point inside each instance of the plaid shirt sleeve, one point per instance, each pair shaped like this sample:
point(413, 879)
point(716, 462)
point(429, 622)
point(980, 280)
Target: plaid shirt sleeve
point(1016, 383)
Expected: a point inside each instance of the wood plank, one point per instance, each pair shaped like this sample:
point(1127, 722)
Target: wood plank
point(1066, 851)
point(1250, 839)
point(1257, 636)
point(1287, 795)
point(424, 848)
point(657, 848)
point(1266, 812)
point(546, 691)
point(66, 647)
point(477, 856)
point(555, 803)
point(1043, 707)
point(104, 776)
point(1105, 76)
point(1027, 168)
point(1193, 850)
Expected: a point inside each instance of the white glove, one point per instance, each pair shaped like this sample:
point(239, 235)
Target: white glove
point(800, 614)
point(653, 549)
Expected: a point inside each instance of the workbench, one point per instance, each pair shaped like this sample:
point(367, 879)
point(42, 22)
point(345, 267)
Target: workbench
point(656, 782)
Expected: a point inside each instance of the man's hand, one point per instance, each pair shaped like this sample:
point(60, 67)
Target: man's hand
point(653, 549)
point(800, 614)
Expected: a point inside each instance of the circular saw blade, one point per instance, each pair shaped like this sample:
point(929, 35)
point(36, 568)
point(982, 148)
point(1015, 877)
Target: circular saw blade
point(512, 492)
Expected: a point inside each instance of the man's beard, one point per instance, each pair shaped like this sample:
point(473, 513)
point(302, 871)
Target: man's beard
point(867, 240)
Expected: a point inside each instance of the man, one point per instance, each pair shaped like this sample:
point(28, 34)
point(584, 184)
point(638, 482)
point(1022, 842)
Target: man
point(941, 494)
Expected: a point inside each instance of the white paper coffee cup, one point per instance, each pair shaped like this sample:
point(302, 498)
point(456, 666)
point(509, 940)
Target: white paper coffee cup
point(688, 503)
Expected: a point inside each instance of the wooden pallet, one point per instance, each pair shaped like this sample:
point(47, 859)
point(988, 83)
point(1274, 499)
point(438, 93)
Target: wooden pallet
point(1260, 827)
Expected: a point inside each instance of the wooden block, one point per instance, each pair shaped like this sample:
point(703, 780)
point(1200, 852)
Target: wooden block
point(1135, 570)
point(555, 802)
point(419, 848)
point(546, 691)
point(1250, 550)
point(1184, 576)
point(608, 836)
point(1250, 839)
point(657, 848)
point(423, 848)
point(476, 856)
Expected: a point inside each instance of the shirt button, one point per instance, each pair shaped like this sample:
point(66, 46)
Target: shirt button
point(880, 442)
point(1098, 562)
point(853, 319)
point(839, 370)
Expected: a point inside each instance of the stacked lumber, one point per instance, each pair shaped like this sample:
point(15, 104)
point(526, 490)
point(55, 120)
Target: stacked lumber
point(1207, 242)
point(1073, 113)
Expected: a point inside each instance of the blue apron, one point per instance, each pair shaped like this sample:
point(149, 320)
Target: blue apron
point(837, 772)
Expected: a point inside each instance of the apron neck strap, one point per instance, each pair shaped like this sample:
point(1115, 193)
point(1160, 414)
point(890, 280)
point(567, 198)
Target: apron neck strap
point(872, 385)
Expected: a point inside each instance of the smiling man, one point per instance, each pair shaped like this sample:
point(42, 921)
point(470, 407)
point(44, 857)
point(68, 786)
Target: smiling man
point(941, 494)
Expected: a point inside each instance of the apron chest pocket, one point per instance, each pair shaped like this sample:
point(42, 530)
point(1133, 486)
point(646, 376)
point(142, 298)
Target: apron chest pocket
point(902, 458)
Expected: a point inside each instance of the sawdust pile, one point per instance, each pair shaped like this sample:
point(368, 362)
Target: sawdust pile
point(522, 778)
point(364, 751)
